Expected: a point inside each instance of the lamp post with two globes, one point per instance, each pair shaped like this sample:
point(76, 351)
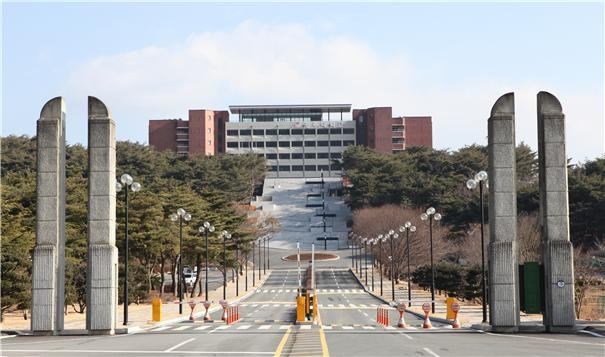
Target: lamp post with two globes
point(430, 215)
point(408, 227)
point(225, 235)
point(180, 215)
point(206, 228)
point(471, 184)
point(381, 238)
point(392, 235)
point(126, 182)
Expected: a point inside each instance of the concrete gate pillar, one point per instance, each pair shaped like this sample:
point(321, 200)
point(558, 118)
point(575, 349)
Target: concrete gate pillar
point(557, 250)
point(48, 277)
point(102, 272)
point(503, 271)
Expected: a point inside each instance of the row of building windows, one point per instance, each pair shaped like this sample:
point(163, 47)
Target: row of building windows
point(288, 168)
point(287, 144)
point(262, 132)
point(307, 155)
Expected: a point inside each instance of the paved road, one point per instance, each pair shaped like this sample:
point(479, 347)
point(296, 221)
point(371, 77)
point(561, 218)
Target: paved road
point(348, 328)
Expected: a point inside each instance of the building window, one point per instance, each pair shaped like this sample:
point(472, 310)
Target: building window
point(335, 166)
point(232, 145)
point(272, 168)
point(271, 156)
point(323, 155)
point(309, 155)
point(309, 131)
point(397, 140)
point(259, 144)
point(335, 131)
point(322, 131)
point(348, 131)
point(398, 127)
point(258, 132)
point(284, 144)
point(297, 167)
point(284, 156)
point(348, 142)
point(297, 156)
point(323, 167)
point(335, 155)
point(231, 132)
point(297, 131)
point(209, 142)
point(297, 143)
point(244, 144)
point(284, 132)
point(271, 132)
point(310, 168)
point(209, 130)
point(271, 144)
point(284, 168)
point(335, 143)
point(323, 143)
point(245, 132)
point(309, 143)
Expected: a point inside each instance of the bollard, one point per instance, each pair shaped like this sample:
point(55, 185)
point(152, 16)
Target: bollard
point(156, 309)
point(426, 307)
point(401, 309)
point(206, 306)
point(455, 309)
point(192, 306)
point(224, 305)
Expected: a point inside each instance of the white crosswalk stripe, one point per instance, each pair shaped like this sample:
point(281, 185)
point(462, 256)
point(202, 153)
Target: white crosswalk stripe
point(284, 327)
point(305, 327)
point(181, 328)
point(202, 327)
point(162, 328)
point(326, 327)
point(244, 327)
point(347, 327)
point(224, 327)
point(264, 327)
point(368, 327)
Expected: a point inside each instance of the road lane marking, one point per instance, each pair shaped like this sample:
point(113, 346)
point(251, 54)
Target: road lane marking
point(202, 327)
point(546, 339)
point(181, 328)
point(264, 327)
point(326, 327)
point(347, 327)
point(305, 327)
point(162, 328)
point(179, 345)
point(284, 327)
point(431, 352)
point(150, 352)
point(407, 336)
point(282, 343)
point(244, 327)
point(368, 327)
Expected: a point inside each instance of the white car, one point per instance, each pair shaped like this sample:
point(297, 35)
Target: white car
point(189, 278)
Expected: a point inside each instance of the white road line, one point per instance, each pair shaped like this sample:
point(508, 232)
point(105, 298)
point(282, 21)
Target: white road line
point(255, 305)
point(305, 327)
point(389, 328)
point(326, 327)
point(244, 305)
point(136, 352)
point(272, 291)
point(431, 352)
point(162, 328)
point(181, 328)
point(284, 327)
point(279, 291)
point(265, 291)
point(244, 327)
point(330, 305)
point(546, 339)
point(352, 305)
point(368, 327)
point(365, 314)
point(265, 305)
point(341, 305)
point(362, 305)
point(9, 336)
point(264, 327)
point(347, 327)
point(224, 327)
point(202, 327)
point(179, 345)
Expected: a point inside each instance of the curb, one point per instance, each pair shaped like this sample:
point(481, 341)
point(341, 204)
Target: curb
point(390, 303)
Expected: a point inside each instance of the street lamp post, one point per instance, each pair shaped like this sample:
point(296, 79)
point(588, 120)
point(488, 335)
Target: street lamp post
point(365, 257)
point(180, 215)
point(392, 236)
point(253, 265)
point(259, 264)
point(225, 235)
point(380, 239)
point(127, 181)
point(430, 215)
point(351, 242)
point(268, 251)
point(472, 184)
point(264, 255)
point(372, 244)
point(407, 227)
point(206, 228)
point(236, 267)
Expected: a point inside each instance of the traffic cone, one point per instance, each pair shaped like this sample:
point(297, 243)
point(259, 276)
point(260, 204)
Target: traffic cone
point(401, 322)
point(456, 323)
point(427, 321)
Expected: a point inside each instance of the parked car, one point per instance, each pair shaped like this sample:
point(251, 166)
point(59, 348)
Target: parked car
point(189, 278)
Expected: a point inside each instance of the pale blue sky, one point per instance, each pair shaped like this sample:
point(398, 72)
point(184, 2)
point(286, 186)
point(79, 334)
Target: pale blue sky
point(451, 61)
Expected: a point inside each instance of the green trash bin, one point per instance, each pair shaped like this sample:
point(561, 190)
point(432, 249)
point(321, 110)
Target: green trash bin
point(532, 287)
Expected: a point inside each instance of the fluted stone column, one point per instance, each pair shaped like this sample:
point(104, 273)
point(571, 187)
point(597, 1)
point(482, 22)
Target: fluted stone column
point(503, 270)
point(557, 251)
point(48, 278)
point(102, 279)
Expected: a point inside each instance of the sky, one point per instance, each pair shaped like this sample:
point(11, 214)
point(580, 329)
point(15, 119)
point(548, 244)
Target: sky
point(450, 61)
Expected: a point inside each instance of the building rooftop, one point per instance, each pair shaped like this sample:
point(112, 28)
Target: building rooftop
point(289, 108)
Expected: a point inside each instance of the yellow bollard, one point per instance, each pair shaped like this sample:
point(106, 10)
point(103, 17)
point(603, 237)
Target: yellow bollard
point(156, 309)
point(450, 312)
point(300, 308)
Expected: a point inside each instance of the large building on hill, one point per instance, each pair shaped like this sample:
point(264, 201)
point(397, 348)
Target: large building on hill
point(296, 140)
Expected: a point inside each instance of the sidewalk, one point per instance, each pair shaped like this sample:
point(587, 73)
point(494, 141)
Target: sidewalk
point(470, 313)
point(139, 316)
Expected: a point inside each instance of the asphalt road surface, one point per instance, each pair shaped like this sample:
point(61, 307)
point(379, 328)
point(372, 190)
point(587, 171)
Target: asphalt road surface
point(347, 327)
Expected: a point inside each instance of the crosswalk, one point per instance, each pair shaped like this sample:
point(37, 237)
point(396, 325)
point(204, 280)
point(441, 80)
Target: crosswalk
point(319, 291)
point(277, 327)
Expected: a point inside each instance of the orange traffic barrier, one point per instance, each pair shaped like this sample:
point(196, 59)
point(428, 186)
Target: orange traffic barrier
point(232, 315)
point(382, 315)
point(455, 309)
point(426, 307)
